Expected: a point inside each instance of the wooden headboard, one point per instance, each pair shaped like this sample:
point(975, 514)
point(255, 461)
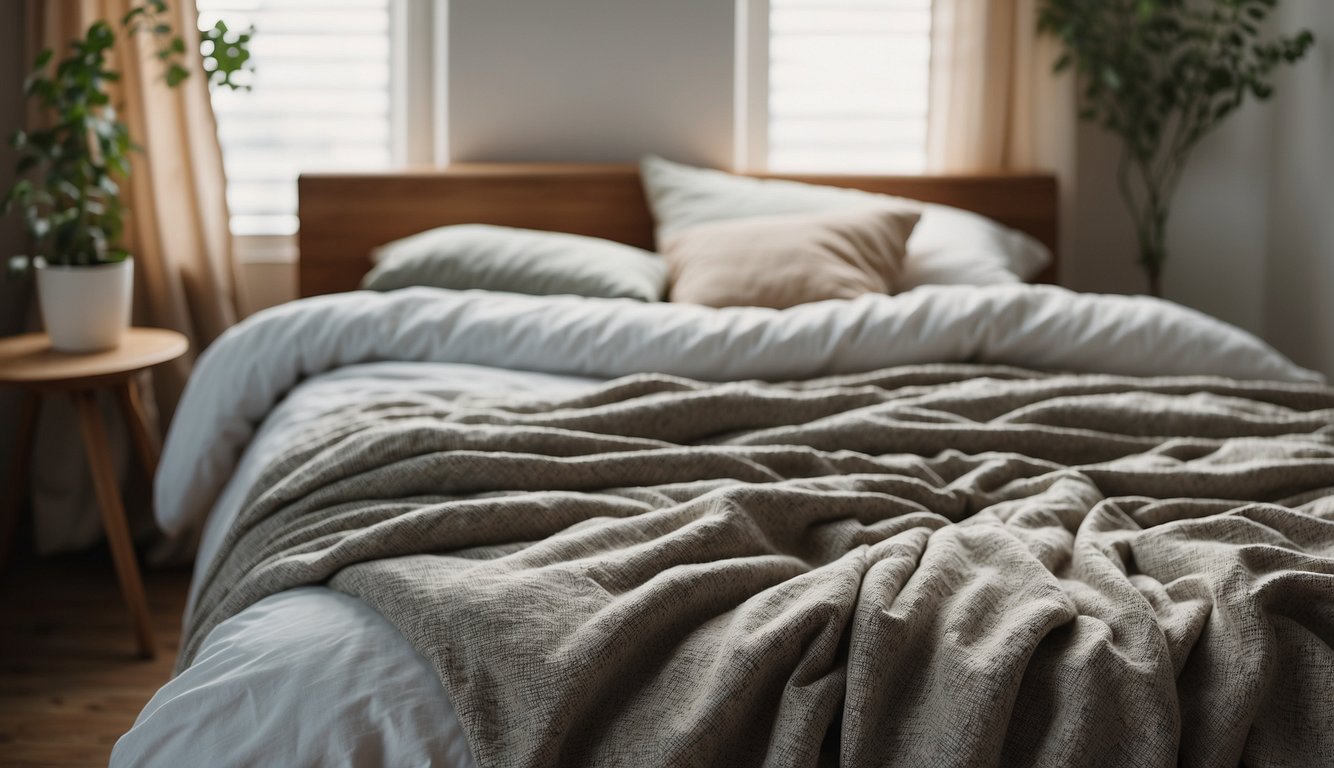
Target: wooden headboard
point(345, 215)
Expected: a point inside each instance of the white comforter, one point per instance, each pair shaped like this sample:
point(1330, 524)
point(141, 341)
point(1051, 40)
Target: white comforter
point(271, 684)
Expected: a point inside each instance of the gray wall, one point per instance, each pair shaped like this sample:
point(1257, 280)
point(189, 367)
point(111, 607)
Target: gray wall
point(590, 80)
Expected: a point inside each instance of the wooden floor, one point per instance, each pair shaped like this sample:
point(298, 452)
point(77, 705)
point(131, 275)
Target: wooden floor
point(70, 683)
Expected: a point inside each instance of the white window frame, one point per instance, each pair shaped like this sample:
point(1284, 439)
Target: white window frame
point(750, 151)
point(419, 81)
point(418, 98)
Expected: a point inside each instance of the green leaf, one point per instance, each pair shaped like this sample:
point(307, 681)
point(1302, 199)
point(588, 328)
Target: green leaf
point(66, 190)
point(176, 74)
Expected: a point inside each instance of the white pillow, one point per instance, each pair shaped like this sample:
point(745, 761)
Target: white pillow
point(949, 245)
point(480, 256)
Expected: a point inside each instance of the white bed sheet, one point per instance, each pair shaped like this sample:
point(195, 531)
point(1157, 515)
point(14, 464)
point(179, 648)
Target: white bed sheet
point(311, 676)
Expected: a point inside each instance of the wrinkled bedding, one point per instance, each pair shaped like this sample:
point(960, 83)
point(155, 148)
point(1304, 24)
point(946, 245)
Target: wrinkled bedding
point(927, 500)
point(945, 559)
point(312, 677)
point(255, 364)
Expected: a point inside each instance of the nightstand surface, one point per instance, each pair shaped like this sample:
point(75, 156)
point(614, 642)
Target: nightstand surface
point(29, 360)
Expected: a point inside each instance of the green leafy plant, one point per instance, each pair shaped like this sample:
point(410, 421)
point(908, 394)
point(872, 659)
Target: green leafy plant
point(226, 56)
point(1160, 75)
point(69, 173)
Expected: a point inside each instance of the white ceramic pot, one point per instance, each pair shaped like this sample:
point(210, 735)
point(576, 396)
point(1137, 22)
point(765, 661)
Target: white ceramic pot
point(86, 309)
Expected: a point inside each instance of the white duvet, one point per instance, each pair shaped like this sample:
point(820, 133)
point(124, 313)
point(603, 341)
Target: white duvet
point(313, 677)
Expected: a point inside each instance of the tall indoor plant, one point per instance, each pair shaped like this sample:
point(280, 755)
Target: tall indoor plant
point(1160, 75)
point(69, 174)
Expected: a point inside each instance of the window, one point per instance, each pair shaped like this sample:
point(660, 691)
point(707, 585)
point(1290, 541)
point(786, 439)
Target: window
point(848, 84)
point(321, 101)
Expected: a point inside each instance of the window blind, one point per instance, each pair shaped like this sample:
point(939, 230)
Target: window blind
point(320, 101)
point(848, 85)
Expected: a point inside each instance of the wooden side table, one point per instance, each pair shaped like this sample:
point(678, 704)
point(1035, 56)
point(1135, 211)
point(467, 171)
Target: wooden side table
point(29, 362)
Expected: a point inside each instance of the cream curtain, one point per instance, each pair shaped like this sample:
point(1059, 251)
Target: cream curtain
point(995, 103)
point(176, 228)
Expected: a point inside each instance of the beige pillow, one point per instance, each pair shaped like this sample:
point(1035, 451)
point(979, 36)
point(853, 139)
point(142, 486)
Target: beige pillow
point(781, 261)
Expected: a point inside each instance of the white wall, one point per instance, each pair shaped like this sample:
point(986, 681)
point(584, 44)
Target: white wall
point(1099, 254)
point(590, 80)
point(1299, 271)
point(1217, 241)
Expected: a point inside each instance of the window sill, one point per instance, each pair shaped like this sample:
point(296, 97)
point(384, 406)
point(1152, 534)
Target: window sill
point(265, 249)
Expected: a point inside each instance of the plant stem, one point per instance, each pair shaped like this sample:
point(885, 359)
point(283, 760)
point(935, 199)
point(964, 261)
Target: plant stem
point(1147, 201)
point(1153, 243)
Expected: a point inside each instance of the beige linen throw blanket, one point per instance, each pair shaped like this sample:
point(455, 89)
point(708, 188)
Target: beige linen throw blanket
point(924, 566)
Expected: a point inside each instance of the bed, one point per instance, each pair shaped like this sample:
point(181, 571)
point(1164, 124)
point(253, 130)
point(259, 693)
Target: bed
point(1005, 524)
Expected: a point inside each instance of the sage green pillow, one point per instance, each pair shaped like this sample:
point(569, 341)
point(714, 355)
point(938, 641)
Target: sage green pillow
point(518, 261)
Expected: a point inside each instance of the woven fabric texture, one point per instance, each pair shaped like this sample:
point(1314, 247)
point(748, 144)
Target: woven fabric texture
point(934, 565)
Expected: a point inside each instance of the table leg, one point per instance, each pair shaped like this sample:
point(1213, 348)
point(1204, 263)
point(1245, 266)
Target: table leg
point(113, 518)
point(18, 486)
point(133, 408)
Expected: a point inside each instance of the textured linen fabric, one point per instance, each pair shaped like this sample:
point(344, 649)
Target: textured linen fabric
point(783, 261)
point(933, 565)
point(527, 261)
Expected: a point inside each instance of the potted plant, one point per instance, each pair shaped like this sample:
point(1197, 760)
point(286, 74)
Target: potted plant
point(69, 175)
point(1160, 75)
